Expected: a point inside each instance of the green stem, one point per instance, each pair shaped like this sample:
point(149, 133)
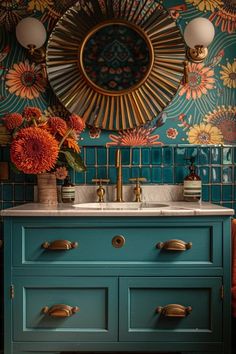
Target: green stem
point(64, 138)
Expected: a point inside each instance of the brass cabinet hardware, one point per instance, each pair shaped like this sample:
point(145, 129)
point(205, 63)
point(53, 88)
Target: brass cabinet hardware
point(174, 310)
point(60, 310)
point(118, 241)
point(58, 245)
point(174, 245)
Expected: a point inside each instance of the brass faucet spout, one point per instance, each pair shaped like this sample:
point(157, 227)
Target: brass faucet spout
point(119, 186)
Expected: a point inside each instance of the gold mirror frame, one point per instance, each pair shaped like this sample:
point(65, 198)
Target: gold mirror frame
point(115, 109)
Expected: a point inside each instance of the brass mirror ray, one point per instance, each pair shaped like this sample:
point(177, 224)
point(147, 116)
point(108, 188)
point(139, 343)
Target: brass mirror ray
point(118, 63)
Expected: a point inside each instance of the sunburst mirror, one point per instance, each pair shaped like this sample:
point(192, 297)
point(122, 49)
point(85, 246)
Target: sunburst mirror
point(116, 63)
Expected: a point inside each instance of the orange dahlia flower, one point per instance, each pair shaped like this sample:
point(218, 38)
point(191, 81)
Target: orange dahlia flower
point(77, 123)
point(32, 113)
point(57, 125)
point(13, 120)
point(34, 150)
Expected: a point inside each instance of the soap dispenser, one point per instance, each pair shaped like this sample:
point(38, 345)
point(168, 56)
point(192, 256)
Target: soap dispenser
point(192, 184)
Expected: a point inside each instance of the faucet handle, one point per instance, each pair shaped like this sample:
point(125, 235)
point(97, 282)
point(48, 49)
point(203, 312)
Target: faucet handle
point(137, 188)
point(100, 190)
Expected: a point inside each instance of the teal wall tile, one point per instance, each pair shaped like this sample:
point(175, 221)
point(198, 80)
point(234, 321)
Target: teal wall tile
point(80, 177)
point(112, 174)
point(216, 174)
point(102, 172)
point(204, 155)
point(204, 174)
point(7, 193)
point(167, 155)
point(7, 205)
point(135, 172)
point(156, 175)
point(227, 193)
point(112, 156)
point(17, 177)
point(126, 175)
point(29, 193)
point(19, 192)
point(227, 156)
point(227, 174)
point(168, 175)
point(90, 156)
point(125, 156)
point(90, 174)
point(156, 156)
point(216, 193)
point(216, 155)
point(205, 193)
point(101, 156)
point(146, 172)
point(145, 156)
point(180, 173)
point(135, 159)
point(180, 156)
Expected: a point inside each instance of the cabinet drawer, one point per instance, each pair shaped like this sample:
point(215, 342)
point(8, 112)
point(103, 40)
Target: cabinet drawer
point(38, 314)
point(200, 243)
point(146, 314)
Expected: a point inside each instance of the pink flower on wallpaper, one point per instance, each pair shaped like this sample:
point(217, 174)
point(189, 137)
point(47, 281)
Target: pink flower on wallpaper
point(135, 137)
point(200, 80)
point(26, 80)
point(172, 133)
point(225, 17)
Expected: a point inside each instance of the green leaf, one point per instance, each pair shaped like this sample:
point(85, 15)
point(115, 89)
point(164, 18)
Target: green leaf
point(74, 160)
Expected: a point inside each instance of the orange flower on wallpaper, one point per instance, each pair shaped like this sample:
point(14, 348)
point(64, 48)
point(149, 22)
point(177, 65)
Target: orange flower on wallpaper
point(200, 80)
point(204, 134)
point(135, 137)
point(206, 5)
point(26, 80)
point(39, 5)
point(225, 17)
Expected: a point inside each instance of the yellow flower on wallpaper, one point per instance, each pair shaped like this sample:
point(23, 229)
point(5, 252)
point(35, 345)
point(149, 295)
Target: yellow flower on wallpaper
point(200, 80)
point(39, 5)
point(26, 80)
point(204, 134)
point(208, 5)
point(228, 75)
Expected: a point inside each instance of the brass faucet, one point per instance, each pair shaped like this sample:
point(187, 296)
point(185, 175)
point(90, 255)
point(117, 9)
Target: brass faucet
point(119, 187)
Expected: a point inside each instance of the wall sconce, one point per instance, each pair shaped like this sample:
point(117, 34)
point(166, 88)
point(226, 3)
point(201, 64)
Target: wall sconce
point(31, 34)
point(198, 35)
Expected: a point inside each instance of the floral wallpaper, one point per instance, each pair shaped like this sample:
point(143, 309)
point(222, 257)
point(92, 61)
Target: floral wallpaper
point(202, 112)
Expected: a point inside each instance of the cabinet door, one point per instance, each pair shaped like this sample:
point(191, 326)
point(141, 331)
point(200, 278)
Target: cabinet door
point(170, 309)
point(65, 309)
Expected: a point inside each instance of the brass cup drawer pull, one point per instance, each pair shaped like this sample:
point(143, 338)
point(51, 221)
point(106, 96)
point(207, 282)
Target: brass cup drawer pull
point(118, 241)
point(174, 245)
point(60, 310)
point(174, 310)
point(59, 245)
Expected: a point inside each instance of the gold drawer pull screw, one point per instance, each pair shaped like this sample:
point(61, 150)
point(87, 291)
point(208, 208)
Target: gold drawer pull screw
point(174, 245)
point(60, 310)
point(174, 310)
point(59, 245)
point(118, 241)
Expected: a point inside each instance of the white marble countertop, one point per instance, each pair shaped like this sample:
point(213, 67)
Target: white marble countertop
point(176, 208)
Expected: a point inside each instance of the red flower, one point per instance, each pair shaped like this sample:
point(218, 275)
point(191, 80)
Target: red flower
point(13, 120)
point(34, 150)
point(77, 123)
point(172, 133)
point(32, 113)
point(57, 125)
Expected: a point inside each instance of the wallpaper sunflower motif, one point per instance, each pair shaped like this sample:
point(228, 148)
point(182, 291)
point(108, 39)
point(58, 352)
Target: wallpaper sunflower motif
point(202, 112)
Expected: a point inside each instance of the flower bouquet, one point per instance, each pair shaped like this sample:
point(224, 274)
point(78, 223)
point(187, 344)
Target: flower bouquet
point(41, 144)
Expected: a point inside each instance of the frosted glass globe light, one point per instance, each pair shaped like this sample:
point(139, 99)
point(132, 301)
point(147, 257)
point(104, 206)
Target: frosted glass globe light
point(199, 32)
point(31, 33)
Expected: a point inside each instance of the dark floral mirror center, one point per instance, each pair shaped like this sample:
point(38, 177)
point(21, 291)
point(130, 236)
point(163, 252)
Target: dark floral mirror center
point(116, 57)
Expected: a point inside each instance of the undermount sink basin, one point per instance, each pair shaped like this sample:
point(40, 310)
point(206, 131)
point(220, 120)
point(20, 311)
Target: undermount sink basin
point(120, 205)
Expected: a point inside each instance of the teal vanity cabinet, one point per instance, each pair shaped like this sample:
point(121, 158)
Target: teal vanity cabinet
point(117, 284)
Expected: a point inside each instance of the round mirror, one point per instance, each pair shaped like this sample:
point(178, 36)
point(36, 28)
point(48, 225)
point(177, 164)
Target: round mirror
point(116, 63)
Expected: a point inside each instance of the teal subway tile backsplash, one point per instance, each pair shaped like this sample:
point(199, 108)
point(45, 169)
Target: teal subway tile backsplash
point(159, 165)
